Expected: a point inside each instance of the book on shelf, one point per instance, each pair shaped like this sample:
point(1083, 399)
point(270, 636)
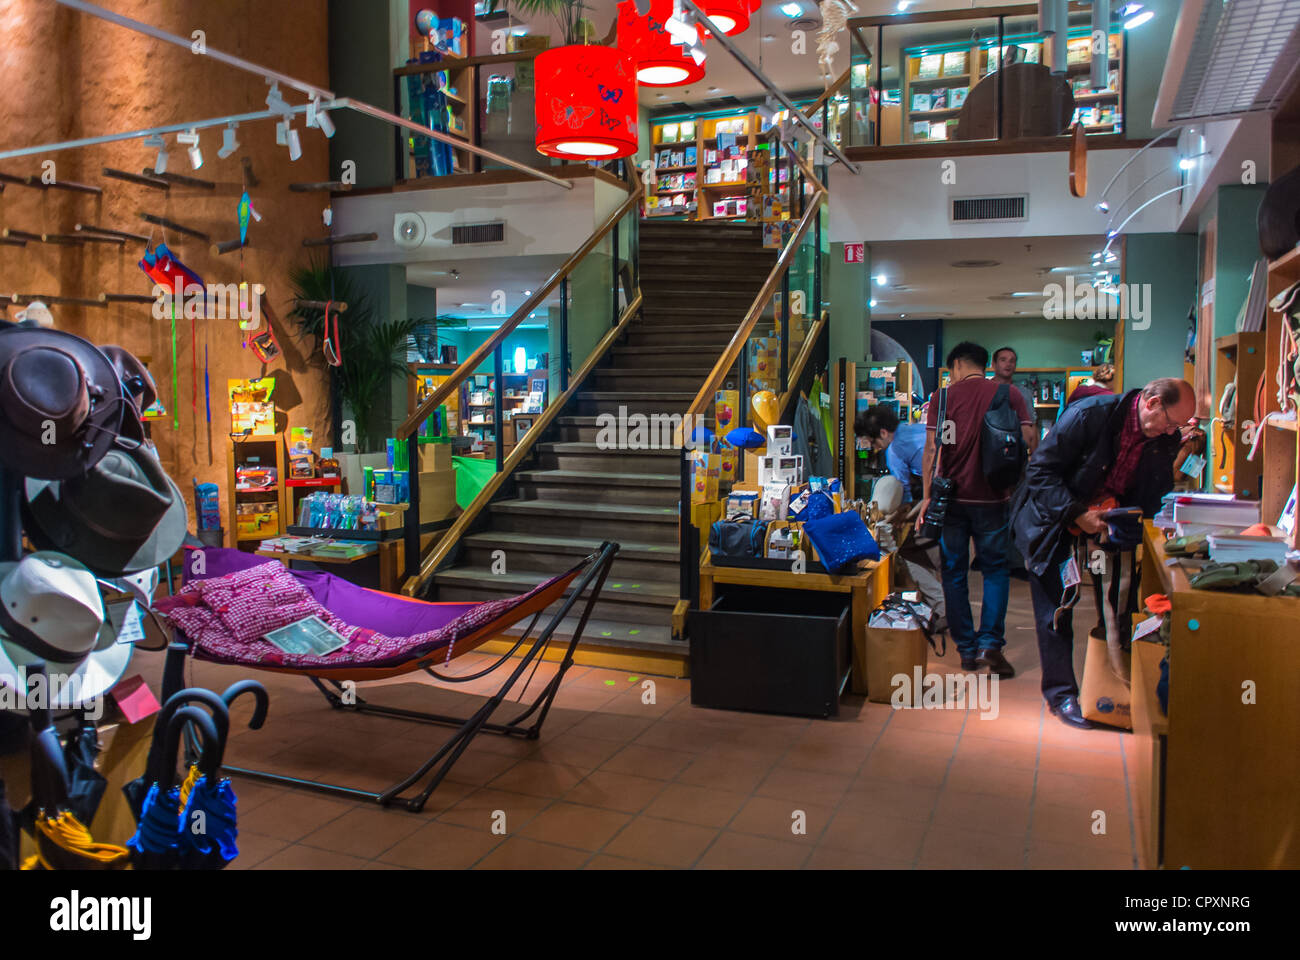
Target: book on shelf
point(1078, 50)
point(688, 156)
point(920, 102)
point(938, 130)
point(929, 67)
point(954, 63)
point(1233, 547)
point(1215, 509)
point(687, 131)
point(957, 97)
point(669, 134)
point(939, 100)
point(921, 129)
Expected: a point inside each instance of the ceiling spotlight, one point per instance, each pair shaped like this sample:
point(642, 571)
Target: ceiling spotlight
point(881, 279)
point(191, 140)
point(319, 117)
point(1130, 9)
point(275, 102)
point(871, 302)
point(228, 142)
point(528, 293)
point(903, 5)
point(294, 144)
point(1186, 163)
point(791, 9)
point(160, 164)
point(1137, 21)
point(282, 133)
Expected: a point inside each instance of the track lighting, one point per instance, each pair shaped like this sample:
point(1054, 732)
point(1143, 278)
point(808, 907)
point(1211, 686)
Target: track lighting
point(228, 142)
point(294, 144)
point(319, 117)
point(191, 141)
point(275, 102)
point(160, 164)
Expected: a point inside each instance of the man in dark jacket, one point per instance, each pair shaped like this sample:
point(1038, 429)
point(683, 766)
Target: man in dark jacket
point(1104, 448)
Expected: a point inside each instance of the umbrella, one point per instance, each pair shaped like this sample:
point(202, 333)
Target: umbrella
point(8, 833)
point(156, 844)
point(62, 841)
point(137, 789)
point(237, 690)
point(208, 830)
point(86, 785)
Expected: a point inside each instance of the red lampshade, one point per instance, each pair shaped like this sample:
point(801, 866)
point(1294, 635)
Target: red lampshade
point(586, 103)
point(659, 61)
point(731, 16)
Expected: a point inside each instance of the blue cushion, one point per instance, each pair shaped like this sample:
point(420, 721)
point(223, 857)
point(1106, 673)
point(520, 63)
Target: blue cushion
point(746, 438)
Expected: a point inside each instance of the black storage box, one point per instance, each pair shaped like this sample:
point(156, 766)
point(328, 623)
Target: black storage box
point(771, 651)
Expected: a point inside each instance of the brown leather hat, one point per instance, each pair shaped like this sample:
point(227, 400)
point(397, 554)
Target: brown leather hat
point(61, 403)
point(134, 375)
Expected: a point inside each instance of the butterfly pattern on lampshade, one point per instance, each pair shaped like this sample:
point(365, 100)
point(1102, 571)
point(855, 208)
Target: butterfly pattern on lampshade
point(586, 103)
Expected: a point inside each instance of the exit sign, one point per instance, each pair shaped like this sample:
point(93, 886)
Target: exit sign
point(855, 253)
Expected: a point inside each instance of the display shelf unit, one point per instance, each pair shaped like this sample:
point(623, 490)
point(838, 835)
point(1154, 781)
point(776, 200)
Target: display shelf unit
point(517, 387)
point(1280, 466)
point(423, 380)
point(267, 451)
point(943, 72)
point(1239, 359)
point(1047, 407)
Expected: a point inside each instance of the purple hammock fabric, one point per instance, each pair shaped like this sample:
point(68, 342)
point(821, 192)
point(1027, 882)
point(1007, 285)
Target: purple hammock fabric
point(225, 611)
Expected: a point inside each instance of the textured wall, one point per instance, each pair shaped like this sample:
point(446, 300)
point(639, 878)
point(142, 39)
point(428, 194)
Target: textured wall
point(67, 75)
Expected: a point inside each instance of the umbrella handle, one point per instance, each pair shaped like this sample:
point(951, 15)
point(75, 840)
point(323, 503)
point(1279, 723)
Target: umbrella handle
point(174, 670)
point(220, 718)
point(176, 723)
point(49, 778)
point(263, 700)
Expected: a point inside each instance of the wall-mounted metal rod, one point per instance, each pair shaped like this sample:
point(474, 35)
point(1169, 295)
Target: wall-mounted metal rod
point(125, 298)
point(154, 182)
point(49, 298)
point(10, 233)
point(228, 246)
point(321, 185)
point(110, 232)
point(173, 225)
point(71, 239)
point(346, 238)
point(179, 179)
point(338, 307)
point(6, 241)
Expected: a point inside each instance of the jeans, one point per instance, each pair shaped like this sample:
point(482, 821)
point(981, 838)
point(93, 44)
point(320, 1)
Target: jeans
point(989, 526)
point(1055, 644)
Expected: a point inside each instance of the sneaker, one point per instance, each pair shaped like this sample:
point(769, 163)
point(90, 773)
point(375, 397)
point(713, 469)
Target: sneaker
point(996, 663)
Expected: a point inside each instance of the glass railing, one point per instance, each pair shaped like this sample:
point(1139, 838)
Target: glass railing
point(474, 423)
point(965, 75)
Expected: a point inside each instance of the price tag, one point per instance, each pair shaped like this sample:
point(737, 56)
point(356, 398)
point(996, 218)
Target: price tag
point(1070, 573)
point(1149, 625)
point(1193, 465)
point(127, 618)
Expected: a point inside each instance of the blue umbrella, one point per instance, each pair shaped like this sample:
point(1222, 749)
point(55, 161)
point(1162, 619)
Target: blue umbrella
point(156, 844)
point(137, 789)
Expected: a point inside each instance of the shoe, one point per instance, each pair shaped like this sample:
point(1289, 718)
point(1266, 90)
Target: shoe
point(969, 665)
point(1071, 714)
point(996, 663)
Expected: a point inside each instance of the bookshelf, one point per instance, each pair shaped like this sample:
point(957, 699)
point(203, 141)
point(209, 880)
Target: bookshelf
point(256, 513)
point(1280, 467)
point(1049, 386)
point(1239, 359)
point(937, 79)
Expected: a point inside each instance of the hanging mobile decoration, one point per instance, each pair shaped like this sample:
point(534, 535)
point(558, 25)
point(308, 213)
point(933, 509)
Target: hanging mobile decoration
point(586, 105)
point(667, 47)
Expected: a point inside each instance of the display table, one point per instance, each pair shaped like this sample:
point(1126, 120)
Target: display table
point(1216, 779)
point(809, 663)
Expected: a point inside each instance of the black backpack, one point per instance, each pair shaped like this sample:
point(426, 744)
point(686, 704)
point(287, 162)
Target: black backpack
point(1002, 446)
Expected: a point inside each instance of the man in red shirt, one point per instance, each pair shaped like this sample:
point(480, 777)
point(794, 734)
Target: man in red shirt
point(976, 510)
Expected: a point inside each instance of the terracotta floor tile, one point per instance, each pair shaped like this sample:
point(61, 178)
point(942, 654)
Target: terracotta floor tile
point(365, 832)
point(678, 735)
point(742, 851)
point(251, 794)
point(836, 759)
point(699, 805)
point(1068, 856)
point(722, 773)
point(998, 753)
point(301, 857)
point(890, 838)
point(654, 762)
point(380, 865)
point(575, 750)
point(921, 742)
point(615, 791)
point(833, 858)
point(255, 848)
point(956, 848)
point(1057, 734)
point(1021, 728)
point(570, 825)
point(974, 775)
point(1076, 823)
point(983, 812)
point(1094, 792)
point(539, 779)
point(665, 842)
point(1092, 763)
point(933, 721)
point(441, 846)
point(804, 786)
point(518, 853)
point(603, 861)
point(611, 726)
point(919, 769)
point(776, 818)
point(292, 818)
point(484, 808)
point(889, 798)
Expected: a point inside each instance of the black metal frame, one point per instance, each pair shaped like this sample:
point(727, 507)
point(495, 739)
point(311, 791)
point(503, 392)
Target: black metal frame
point(439, 765)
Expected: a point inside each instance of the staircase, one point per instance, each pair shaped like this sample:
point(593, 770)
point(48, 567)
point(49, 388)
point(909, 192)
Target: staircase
point(697, 281)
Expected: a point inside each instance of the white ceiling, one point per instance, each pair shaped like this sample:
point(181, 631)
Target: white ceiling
point(936, 288)
point(469, 293)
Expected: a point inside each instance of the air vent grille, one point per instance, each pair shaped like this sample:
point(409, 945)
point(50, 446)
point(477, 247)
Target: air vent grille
point(493, 232)
point(988, 209)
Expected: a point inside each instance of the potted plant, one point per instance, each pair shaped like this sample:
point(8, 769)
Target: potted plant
point(372, 350)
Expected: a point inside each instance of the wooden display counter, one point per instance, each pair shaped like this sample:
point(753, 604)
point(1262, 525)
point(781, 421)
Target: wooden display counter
point(1216, 780)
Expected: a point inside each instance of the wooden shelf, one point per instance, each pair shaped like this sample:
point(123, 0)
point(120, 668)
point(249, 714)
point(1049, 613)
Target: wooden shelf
point(1287, 425)
point(1286, 266)
point(673, 169)
point(315, 482)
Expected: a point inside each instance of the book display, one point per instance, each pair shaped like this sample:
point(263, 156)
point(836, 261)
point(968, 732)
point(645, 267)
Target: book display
point(938, 78)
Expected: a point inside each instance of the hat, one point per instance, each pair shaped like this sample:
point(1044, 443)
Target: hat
point(124, 516)
point(61, 403)
point(35, 314)
point(135, 377)
point(887, 494)
point(51, 611)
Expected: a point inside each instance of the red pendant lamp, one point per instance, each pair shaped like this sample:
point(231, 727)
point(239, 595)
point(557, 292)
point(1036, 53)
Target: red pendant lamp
point(730, 16)
point(586, 103)
point(659, 61)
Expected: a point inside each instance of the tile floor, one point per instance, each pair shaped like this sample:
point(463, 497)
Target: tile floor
point(617, 783)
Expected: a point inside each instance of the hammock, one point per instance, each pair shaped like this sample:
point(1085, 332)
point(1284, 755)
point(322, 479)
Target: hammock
point(221, 615)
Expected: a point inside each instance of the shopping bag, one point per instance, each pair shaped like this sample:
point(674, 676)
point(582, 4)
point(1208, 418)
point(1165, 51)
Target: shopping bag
point(1104, 696)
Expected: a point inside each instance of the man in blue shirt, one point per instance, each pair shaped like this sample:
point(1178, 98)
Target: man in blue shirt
point(904, 444)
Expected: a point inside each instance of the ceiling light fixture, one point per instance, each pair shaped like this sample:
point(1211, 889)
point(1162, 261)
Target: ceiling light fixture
point(319, 117)
point(1141, 18)
point(871, 303)
point(791, 10)
point(191, 141)
point(228, 142)
point(881, 279)
point(1185, 163)
point(160, 164)
point(293, 143)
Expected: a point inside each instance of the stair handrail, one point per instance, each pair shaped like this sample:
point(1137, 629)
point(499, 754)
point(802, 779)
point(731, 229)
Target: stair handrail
point(738, 340)
point(410, 426)
point(430, 564)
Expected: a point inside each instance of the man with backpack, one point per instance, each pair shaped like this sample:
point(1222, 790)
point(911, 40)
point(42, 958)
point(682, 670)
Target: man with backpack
point(977, 437)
